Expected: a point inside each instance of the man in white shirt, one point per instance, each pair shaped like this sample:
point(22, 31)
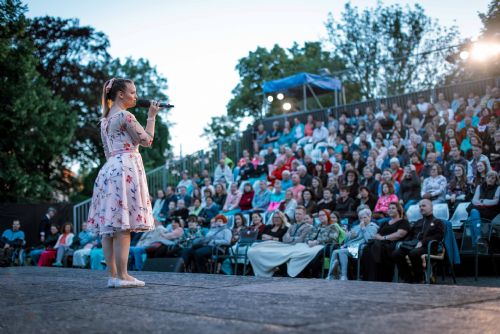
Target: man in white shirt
point(223, 173)
point(423, 106)
point(320, 133)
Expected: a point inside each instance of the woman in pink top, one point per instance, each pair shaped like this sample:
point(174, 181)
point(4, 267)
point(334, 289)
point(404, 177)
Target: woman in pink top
point(387, 197)
point(232, 199)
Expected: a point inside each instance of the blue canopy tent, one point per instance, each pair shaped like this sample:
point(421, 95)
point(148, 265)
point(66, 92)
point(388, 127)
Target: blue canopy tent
point(305, 85)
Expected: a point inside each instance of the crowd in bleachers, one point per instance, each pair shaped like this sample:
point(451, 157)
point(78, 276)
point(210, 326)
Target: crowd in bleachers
point(321, 189)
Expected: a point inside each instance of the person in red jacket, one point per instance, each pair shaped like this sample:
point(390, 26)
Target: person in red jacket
point(246, 198)
point(396, 170)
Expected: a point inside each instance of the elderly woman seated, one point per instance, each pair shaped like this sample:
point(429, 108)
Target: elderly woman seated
point(359, 235)
point(328, 234)
point(300, 246)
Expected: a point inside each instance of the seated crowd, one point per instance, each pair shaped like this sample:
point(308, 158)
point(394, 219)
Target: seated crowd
point(324, 189)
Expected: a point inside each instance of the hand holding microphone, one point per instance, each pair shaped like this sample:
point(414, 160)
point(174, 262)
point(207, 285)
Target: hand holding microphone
point(154, 106)
point(154, 109)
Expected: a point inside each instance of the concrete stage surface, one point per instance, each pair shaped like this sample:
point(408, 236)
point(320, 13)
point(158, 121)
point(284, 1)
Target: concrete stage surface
point(61, 300)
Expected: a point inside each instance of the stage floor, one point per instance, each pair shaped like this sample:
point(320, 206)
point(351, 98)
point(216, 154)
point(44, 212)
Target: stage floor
point(61, 300)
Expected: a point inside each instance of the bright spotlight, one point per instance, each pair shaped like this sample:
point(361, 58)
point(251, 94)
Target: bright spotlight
point(464, 55)
point(287, 106)
point(482, 51)
point(280, 96)
point(270, 98)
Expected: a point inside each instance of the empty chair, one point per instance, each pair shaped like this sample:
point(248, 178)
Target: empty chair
point(413, 213)
point(230, 222)
point(316, 155)
point(440, 211)
point(308, 148)
point(460, 215)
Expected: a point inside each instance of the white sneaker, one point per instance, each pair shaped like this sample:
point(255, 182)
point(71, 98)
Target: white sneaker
point(112, 282)
point(343, 278)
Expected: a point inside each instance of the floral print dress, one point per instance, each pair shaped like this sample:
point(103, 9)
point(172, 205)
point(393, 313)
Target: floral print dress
point(120, 200)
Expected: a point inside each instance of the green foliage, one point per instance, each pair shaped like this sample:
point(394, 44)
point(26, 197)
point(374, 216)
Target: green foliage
point(263, 65)
point(491, 19)
point(75, 61)
point(36, 125)
point(53, 70)
point(220, 127)
point(471, 69)
point(387, 48)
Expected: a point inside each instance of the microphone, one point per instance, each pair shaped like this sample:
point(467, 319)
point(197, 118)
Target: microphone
point(147, 103)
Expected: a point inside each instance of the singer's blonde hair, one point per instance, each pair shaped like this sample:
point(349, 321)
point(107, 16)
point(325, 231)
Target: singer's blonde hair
point(109, 93)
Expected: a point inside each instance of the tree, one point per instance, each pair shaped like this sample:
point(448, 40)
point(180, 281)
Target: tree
point(469, 68)
point(220, 127)
point(36, 125)
point(263, 65)
point(491, 19)
point(390, 50)
point(75, 61)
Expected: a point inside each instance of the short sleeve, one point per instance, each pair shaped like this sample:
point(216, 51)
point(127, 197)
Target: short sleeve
point(404, 225)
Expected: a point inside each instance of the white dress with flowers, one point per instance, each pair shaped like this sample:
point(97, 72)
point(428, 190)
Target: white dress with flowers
point(121, 201)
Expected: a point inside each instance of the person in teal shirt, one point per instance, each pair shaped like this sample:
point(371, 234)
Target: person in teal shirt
point(13, 237)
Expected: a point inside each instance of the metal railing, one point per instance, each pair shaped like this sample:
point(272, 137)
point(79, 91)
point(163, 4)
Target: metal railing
point(464, 89)
point(157, 179)
point(170, 173)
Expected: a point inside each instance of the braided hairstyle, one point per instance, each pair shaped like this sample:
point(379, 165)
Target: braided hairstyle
point(109, 92)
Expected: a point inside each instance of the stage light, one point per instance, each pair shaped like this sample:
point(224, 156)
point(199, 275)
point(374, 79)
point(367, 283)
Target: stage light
point(280, 96)
point(464, 55)
point(482, 51)
point(287, 106)
point(270, 99)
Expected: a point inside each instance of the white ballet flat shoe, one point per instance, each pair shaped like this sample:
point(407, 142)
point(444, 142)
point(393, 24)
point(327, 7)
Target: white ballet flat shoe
point(112, 282)
point(139, 283)
point(120, 283)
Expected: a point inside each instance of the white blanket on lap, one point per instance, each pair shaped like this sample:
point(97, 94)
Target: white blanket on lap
point(268, 255)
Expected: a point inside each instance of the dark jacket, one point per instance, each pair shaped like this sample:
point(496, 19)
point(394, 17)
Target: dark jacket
point(410, 188)
point(426, 229)
point(50, 240)
point(346, 209)
point(164, 209)
point(45, 225)
point(371, 184)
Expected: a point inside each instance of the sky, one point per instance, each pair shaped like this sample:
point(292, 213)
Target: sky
point(196, 44)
